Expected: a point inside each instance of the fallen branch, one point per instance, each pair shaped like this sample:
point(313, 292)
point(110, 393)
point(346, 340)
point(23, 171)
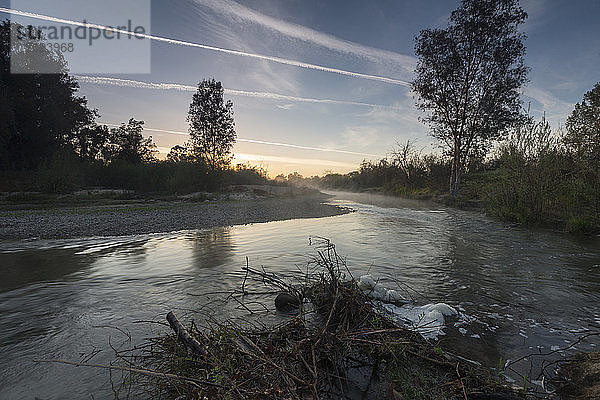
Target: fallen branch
point(147, 372)
point(462, 383)
point(191, 344)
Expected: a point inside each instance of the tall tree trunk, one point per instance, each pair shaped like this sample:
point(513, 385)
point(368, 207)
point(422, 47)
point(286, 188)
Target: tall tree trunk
point(451, 180)
point(457, 179)
point(456, 172)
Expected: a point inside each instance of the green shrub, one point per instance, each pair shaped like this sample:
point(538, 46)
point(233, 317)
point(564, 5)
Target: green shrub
point(60, 174)
point(582, 225)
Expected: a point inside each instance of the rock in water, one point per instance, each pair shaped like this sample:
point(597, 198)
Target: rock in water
point(286, 302)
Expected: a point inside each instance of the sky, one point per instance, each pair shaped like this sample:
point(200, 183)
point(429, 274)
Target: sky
point(319, 86)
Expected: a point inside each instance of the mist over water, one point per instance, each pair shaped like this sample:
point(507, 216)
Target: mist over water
point(521, 291)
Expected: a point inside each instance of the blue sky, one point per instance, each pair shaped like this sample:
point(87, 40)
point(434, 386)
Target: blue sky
point(374, 38)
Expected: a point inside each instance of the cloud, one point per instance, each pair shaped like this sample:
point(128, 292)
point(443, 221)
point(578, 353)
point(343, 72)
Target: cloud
point(362, 136)
point(255, 141)
point(285, 106)
point(279, 60)
point(101, 80)
point(293, 160)
point(239, 13)
point(549, 102)
point(268, 79)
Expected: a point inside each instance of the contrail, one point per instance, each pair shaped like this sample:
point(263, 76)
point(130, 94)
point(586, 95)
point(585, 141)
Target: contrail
point(294, 146)
point(207, 47)
point(100, 80)
point(236, 12)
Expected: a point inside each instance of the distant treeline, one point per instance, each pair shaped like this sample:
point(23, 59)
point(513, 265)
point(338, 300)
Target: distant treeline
point(536, 176)
point(50, 140)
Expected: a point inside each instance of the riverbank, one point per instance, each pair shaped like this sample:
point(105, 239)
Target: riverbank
point(535, 178)
point(474, 197)
point(157, 215)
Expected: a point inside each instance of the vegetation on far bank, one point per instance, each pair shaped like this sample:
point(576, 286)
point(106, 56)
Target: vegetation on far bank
point(494, 156)
point(469, 76)
point(50, 140)
point(536, 176)
point(64, 173)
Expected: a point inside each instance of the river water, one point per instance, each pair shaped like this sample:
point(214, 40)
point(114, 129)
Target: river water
point(519, 291)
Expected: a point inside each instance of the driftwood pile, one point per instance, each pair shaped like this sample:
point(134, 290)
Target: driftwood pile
point(331, 342)
point(335, 346)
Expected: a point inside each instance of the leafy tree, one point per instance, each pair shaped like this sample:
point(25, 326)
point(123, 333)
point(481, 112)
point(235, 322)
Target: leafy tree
point(40, 113)
point(128, 144)
point(468, 77)
point(408, 161)
point(295, 178)
point(212, 129)
point(7, 128)
point(178, 154)
point(280, 178)
point(583, 125)
point(90, 142)
point(583, 140)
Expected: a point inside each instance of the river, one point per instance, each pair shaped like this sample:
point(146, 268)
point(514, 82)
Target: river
point(519, 291)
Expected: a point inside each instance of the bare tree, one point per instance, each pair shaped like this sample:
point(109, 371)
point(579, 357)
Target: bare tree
point(407, 159)
point(469, 75)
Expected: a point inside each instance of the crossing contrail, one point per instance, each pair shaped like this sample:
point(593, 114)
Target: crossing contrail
point(100, 80)
point(294, 146)
point(234, 13)
point(279, 60)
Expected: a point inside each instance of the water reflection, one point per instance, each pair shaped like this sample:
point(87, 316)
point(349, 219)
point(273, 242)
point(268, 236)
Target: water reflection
point(212, 248)
point(24, 268)
point(519, 289)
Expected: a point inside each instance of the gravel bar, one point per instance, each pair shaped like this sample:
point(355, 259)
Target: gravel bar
point(157, 217)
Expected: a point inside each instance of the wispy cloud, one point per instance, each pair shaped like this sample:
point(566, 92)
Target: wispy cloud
point(255, 141)
point(101, 80)
point(279, 60)
point(536, 11)
point(240, 13)
point(362, 136)
point(293, 160)
point(550, 103)
point(295, 146)
point(285, 106)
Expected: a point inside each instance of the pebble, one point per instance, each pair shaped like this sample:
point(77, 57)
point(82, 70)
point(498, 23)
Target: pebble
point(141, 219)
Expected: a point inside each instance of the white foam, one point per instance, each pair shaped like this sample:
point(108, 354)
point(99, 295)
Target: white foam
point(376, 291)
point(428, 320)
